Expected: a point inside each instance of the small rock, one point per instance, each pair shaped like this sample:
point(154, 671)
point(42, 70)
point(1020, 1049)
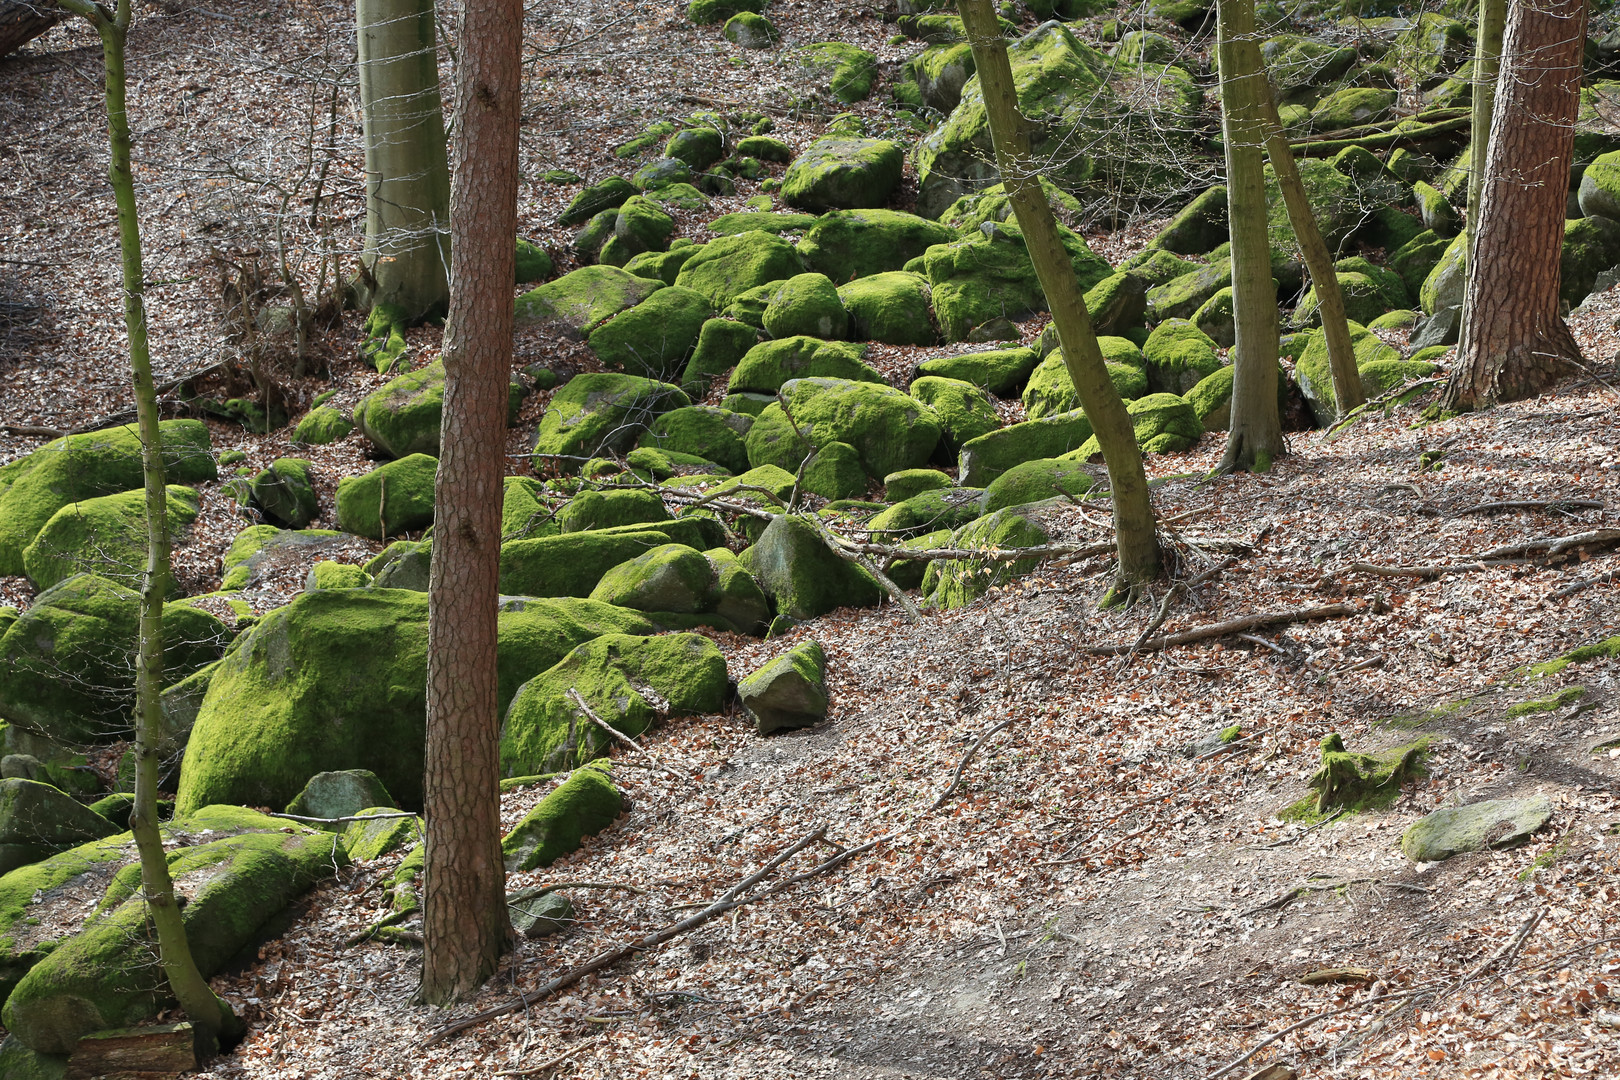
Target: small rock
point(536, 913)
point(790, 691)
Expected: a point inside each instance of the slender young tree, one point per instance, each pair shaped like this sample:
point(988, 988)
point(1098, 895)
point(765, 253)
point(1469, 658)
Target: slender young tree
point(207, 1013)
point(406, 256)
point(1135, 529)
point(1255, 436)
point(464, 922)
point(1517, 341)
point(1487, 65)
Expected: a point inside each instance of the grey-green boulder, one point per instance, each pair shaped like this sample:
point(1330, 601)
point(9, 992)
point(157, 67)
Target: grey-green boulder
point(105, 536)
point(38, 819)
point(704, 431)
point(340, 793)
point(953, 583)
point(902, 485)
point(850, 244)
point(583, 805)
point(749, 30)
point(892, 308)
point(570, 564)
point(806, 304)
point(1003, 372)
point(653, 339)
point(1454, 830)
point(771, 364)
point(890, 430)
point(838, 70)
point(990, 276)
point(1178, 356)
point(608, 194)
point(724, 269)
point(1036, 481)
point(605, 413)
point(583, 299)
point(721, 344)
point(788, 692)
point(1163, 424)
point(285, 493)
point(839, 173)
point(403, 417)
point(388, 500)
point(794, 567)
point(322, 425)
point(964, 411)
point(987, 457)
point(1591, 246)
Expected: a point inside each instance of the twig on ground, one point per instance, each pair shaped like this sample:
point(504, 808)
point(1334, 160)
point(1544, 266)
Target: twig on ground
point(1233, 626)
point(1291, 1028)
point(573, 694)
point(1534, 504)
point(1583, 584)
point(351, 817)
point(963, 764)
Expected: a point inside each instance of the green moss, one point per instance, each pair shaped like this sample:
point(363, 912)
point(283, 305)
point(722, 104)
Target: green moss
point(842, 71)
point(67, 663)
point(987, 457)
point(1034, 481)
point(367, 840)
point(1358, 782)
point(583, 805)
point(892, 308)
point(1003, 372)
point(770, 364)
point(953, 583)
point(761, 221)
point(285, 493)
point(602, 413)
point(395, 498)
point(662, 266)
point(850, 244)
point(1602, 650)
point(965, 412)
point(572, 564)
point(978, 279)
point(104, 536)
point(322, 425)
point(806, 304)
point(328, 574)
point(606, 509)
point(725, 268)
point(384, 343)
point(1567, 696)
point(403, 417)
point(890, 430)
point(584, 299)
point(1231, 734)
point(793, 566)
point(672, 577)
point(902, 485)
point(1178, 356)
point(702, 431)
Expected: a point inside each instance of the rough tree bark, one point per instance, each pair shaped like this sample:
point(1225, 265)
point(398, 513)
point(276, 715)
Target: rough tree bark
point(209, 1014)
point(1487, 65)
point(1255, 436)
point(1517, 342)
point(21, 21)
point(464, 922)
point(406, 255)
point(1135, 529)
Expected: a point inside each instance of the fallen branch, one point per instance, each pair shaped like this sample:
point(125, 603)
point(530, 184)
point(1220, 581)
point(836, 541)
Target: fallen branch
point(1433, 570)
point(1383, 399)
point(1233, 626)
point(1555, 546)
point(1291, 1028)
point(1583, 584)
point(832, 540)
point(622, 737)
point(1534, 504)
point(963, 764)
point(351, 817)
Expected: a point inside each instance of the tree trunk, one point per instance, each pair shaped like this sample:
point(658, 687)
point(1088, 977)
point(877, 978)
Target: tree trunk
point(407, 176)
point(1135, 529)
point(464, 922)
point(21, 21)
point(206, 1011)
point(1487, 63)
point(1518, 343)
point(1318, 260)
point(1255, 436)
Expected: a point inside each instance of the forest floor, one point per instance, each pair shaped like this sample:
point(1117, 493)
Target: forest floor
point(1093, 899)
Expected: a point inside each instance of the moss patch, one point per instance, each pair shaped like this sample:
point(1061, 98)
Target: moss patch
point(1358, 782)
point(1567, 696)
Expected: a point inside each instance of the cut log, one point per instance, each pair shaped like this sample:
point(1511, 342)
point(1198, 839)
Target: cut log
point(136, 1053)
point(21, 21)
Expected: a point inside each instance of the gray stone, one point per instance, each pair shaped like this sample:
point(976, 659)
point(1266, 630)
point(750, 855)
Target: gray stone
point(1441, 328)
point(790, 691)
point(35, 813)
point(340, 794)
point(536, 913)
point(1494, 823)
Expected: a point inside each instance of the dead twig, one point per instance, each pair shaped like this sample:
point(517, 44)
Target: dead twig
point(1534, 504)
point(1309, 1020)
point(1233, 626)
point(622, 737)
point(963, 764)
point(351, 817)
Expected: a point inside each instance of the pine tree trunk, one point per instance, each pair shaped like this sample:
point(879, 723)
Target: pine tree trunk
point(464, 922)
point(1135, 528)
point(1255, 436)
point(21, 21)
point(1518, 343)
point(1487, 64)
point(407, 175)
point(206, 1011)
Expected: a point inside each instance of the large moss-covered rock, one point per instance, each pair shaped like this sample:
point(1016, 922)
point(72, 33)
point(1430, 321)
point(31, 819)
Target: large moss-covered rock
point(721, 344)
point(1180, 298)
point(928, 511)
point(1600, 187)
point(403, 417)
point(1178, 356)
point(1003, 372)
point(102, 976)
point(581, 806)
point(1591, 246)
point(788, 692)
point(1060, 84)
point(838, 70)
point(609, 508)
point(105, 536)
point(770, 364)
point(704, 431)
point(1366, 297)
point(991, 276)
point(850, 244)
point(1162, 423)
point(902, 485)
point(965, 412)
point(337, 680)
point(322, 425)
point(285, 493)
point(607, 194)
point(626, 681)
point(970, 213)
point(643, 225)
point(1036, 481)
point(1352, 106)
point(662, 266)
point(38, 819)
point(570, 564)
point(939, 74)
point(78, 467)
point(987, 457)
point(605, 413)
point(1050, 389)
point(1342, 203)
point(340, 793)
point(953, 583)
point(391, 499)
point(528, 508)
point(840, 173)
point(583, 299)
point(1455, 830)
point(260, 551)
point(806, 304)
point(724, 269)
point(676, 578)
point(653, 339)
point(796, 570)
point(1314, 373)
point(1117, 303)
point(1416, 259)
point(1198, 227)
point(1444, 286)
point(890, 430)
point(892, 308)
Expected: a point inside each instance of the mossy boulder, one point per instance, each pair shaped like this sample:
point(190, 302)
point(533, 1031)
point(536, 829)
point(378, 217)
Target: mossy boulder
point(1600, 187)
point(1036, 481)
point(991, 276)
point(771, 364)
point(627, 681)
point(965, 412)
point(528, 508)
point(365, 840)
point(653, 339)
point(583, 299)
point(603, 413)
point(938, 74)
point(850, 244)
point(583, 805)
point(1003, 372)
point(804, 579)
point(79, 467)
point(890, 430)
point(1365, 299)
point(749, 30)
point(1178, 356)
point(725, 268)
point(1198, 227)
point(662, 266)
point(1352, 106)
point(388, 500)
point(340, 793)
point(928, 511)
point(992, 205)
point(836, 472)
point(839, 70)
point(704, 431)
point(337, 680)
point(1416, 259)
point(1591, 246)
point(678, 579)
point(840, 173)
point(531, 263)
point(570, 564)
point(760, 221)
point(329, 574)
point(1117, 303)
point(322, 425)
point(101, 976)
point(105, 536)
point(1217, 317)
point(749, 306)
point(260, 551)
point(403, 417)
point(643, 225)
point(902, 485)
point(1491, 823)
point(1444, 286)
point(285, 493)
point(954, 583)
point(892, 308)
point(1181, 297)
point(721, 345)
point(789, 692)
point(1050, 389)
point(987, 457)
point(38, 819)
point(607, 194)
point(806, 304)
point(1314, 373)
point(1162, 423)
point(609, 508)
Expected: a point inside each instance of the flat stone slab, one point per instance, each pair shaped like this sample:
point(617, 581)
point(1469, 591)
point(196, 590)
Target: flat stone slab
point(1495, 823)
